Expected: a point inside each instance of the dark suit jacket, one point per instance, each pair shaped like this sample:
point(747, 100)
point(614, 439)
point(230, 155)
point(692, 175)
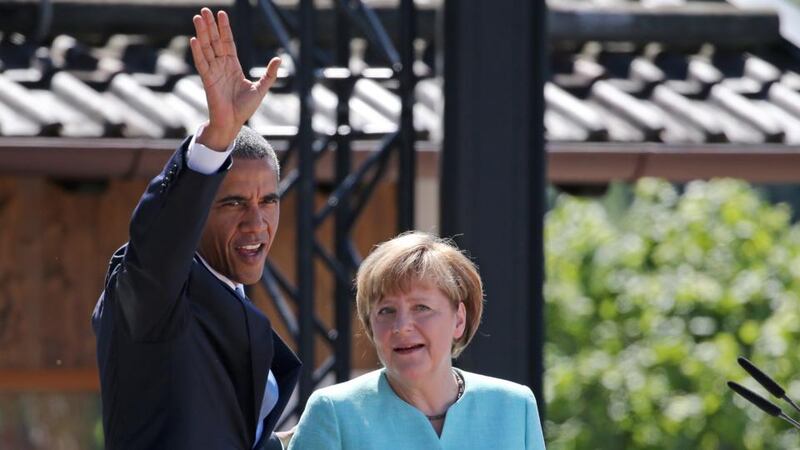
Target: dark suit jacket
point(183, 362)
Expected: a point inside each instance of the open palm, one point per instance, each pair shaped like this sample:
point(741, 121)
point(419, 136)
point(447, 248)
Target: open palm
point(232, 98)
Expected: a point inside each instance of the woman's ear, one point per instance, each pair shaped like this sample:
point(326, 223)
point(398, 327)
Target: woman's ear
point(461, 321)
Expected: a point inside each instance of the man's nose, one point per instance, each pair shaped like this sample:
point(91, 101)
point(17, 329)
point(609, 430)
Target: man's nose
point(254, 220)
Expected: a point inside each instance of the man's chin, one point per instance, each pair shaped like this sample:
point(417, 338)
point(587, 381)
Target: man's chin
point(250, 276)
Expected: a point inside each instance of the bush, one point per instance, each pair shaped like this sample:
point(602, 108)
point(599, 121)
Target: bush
point(648, 308)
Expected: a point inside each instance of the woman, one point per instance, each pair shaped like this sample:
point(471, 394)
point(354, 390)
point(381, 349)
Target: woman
point(420, 301)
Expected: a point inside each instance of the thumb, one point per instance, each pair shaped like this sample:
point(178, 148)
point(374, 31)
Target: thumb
point(270, 76)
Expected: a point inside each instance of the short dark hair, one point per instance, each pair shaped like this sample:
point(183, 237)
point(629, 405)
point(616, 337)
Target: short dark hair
point(251, 145)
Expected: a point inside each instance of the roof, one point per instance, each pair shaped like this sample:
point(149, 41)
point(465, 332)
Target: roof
point(677, 76)
point(684, 75)
point(132, 87)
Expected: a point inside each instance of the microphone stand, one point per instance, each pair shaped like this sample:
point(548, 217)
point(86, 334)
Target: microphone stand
point(794, 423)
point(789, 401)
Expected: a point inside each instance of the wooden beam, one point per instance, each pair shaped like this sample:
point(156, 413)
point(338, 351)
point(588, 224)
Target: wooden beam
point(585, 163)
point(107, 158)
point(49, 380)
point(574, 163)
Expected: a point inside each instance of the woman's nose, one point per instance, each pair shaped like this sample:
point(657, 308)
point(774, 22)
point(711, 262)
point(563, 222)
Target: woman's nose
point(402, 322)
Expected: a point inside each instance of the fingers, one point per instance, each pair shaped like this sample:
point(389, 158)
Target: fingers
point(215, 40)
point(201, 29)
point(213, 31)
point(200, 62)
point(226, 35)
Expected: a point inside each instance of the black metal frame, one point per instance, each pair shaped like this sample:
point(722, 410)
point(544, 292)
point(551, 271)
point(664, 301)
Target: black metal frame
point(493, 188)
point(353, 185)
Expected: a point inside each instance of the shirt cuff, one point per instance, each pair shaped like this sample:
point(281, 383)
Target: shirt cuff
point(204, 160)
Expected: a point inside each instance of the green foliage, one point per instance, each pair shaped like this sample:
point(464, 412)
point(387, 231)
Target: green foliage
point(648, 307)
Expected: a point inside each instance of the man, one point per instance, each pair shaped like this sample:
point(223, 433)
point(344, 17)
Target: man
point(186, 361)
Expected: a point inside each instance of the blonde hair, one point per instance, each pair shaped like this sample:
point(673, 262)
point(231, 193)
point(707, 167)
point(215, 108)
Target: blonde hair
point(396, 264)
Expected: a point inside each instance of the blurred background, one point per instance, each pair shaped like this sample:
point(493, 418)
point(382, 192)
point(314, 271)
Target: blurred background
point(625, 174)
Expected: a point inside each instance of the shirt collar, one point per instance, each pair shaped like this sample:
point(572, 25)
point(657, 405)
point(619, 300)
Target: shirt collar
point(220, 276)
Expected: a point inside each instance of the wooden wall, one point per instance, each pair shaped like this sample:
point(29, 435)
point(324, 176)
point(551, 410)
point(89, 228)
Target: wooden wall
point(55, 241)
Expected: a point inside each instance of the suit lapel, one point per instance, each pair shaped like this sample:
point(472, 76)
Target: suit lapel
point(286, 368)
point(261, 353)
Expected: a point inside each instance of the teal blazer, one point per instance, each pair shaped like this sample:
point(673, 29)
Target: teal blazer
point(366, 414)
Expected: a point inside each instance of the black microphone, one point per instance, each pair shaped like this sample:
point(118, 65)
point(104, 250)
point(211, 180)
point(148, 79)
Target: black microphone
point(767, 406)
point(762, 403)
point(765, 380)
point(769, 384)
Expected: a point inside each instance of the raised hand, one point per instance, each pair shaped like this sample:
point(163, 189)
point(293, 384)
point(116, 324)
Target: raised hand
point(231, 97)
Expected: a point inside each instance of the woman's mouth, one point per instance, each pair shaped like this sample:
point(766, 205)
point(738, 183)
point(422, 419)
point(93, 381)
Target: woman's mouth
point(405, 350)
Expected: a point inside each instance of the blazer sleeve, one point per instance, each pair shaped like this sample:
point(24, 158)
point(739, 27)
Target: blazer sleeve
point(165, 230)
point(318, 428)
point(534, 438)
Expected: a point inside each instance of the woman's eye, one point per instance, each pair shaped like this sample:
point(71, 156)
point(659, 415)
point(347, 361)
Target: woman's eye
point(422, 308)
point(384, 311)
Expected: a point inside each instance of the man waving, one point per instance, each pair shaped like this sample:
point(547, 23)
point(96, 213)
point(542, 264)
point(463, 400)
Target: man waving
point(186, 361)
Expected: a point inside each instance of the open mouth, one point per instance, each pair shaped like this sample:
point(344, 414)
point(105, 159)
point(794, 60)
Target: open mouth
point(408, 349)
point(250, 251)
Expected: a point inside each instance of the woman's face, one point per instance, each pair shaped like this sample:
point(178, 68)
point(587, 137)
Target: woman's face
point(414, 332)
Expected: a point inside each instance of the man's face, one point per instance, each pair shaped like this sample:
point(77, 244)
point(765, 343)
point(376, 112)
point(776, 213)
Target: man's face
point(242, 222)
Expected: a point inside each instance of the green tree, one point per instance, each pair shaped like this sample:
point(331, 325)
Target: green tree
point(649, 306)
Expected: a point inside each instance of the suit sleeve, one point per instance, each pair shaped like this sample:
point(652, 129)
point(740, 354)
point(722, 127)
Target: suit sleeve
point(534, 438)
point(164, 233)
point(318, 428)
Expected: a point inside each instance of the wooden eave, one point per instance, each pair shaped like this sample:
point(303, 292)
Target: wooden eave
point(568, 163)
